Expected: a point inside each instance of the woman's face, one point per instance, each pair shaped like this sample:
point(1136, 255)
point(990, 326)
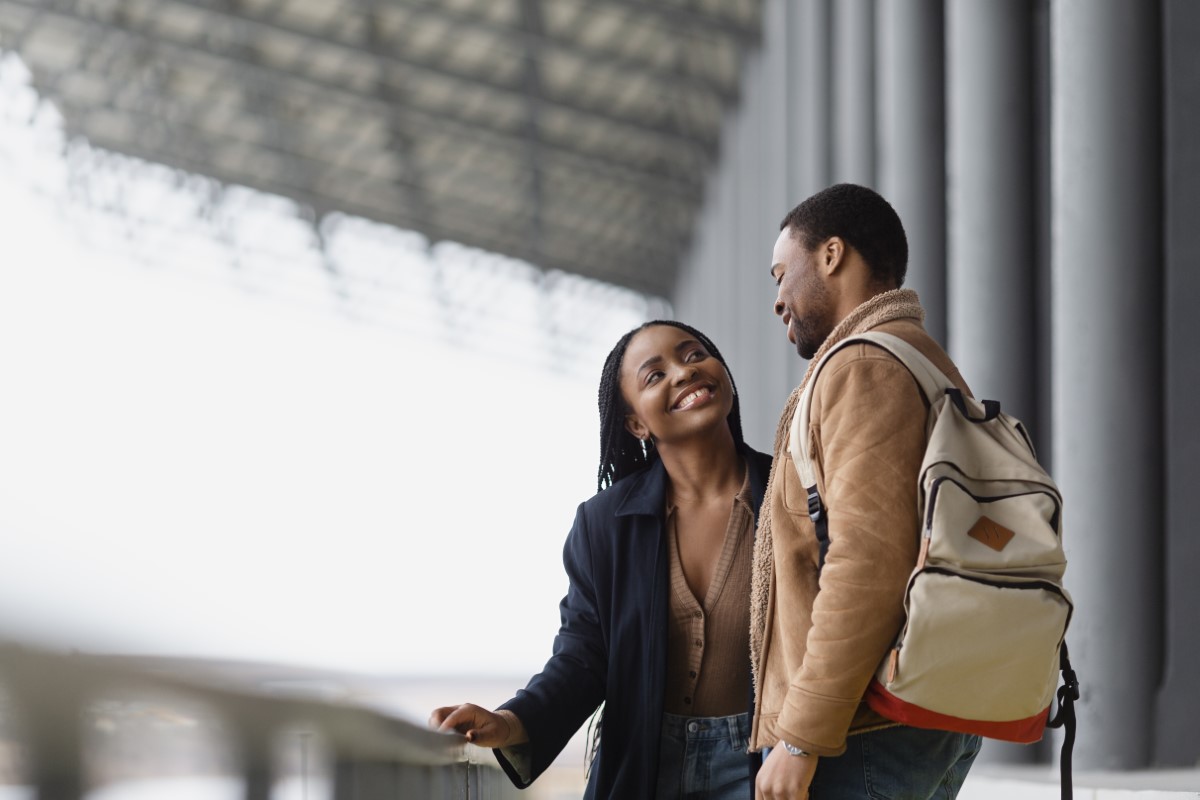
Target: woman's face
point(674, 387)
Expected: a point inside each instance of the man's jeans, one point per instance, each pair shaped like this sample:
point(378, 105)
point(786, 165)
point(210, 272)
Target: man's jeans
point(899, 763)
point(704, 758)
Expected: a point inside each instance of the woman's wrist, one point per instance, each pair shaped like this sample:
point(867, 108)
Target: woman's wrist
point(516, 731)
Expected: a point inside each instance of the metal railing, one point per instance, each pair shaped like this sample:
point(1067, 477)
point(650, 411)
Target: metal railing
point(73, 723)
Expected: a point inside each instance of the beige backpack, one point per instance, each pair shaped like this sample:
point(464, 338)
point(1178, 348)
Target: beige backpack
point(985, 608)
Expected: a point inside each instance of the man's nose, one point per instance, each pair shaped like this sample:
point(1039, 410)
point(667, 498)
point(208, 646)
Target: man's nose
point(778, 307)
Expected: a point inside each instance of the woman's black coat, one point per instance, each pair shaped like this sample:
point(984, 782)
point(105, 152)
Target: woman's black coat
point(612, 643)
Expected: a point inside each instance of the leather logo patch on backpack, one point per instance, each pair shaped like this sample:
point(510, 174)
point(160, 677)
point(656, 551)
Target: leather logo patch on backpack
point(991, 533)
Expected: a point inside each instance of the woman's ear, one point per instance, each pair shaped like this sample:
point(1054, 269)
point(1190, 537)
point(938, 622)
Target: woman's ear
point(636, 427)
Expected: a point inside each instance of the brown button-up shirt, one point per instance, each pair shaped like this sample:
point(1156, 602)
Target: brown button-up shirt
point(708, 644)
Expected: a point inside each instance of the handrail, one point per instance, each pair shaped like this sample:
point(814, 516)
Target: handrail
point(52, 698)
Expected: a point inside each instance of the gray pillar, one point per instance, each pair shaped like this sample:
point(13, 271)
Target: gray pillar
point(810, 23)
point(1107, 286)
point(1041, 431)
point(773, 121)
point(854, 92)
point(991, 197)
point(745, 277)
point(991, 278)
point(1178, 739)
point(912, 142)
point(811, 110)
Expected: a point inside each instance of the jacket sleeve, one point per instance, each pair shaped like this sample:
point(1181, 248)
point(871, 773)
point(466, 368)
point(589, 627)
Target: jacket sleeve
point(555, 703)
point(869, 435)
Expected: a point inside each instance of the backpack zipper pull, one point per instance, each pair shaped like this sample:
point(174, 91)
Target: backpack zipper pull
point(925, 541)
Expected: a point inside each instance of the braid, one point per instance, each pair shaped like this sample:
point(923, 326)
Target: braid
point(622, 453)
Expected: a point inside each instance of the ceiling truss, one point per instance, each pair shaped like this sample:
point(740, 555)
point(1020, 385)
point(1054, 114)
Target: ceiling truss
point(576, 134)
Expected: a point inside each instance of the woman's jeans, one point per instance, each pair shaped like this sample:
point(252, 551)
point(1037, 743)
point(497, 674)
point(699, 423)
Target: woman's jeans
point(704, 758)
point(898, 763)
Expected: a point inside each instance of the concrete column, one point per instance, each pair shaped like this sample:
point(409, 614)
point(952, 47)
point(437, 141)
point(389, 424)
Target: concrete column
point(1107, 258)
point(773, 359)
point(1178, 733)
point(991, 280)
point(991, 291)
point(741, 275)
point(1041, 431)
point(811, 110)
point(912, 142)
point(853, 98)
point(812, 105)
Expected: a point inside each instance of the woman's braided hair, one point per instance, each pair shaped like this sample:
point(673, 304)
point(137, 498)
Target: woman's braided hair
point(622, 453)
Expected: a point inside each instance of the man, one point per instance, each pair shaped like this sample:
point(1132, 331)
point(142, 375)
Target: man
point(819, 631)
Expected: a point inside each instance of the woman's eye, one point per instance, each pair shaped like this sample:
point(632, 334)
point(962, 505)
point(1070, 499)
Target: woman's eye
point(652, 377)
point(696, 355)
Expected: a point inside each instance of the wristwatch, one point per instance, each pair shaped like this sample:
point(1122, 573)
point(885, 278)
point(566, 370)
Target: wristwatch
point(796, 751)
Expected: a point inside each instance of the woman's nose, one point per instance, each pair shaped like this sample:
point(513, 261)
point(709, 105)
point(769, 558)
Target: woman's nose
point(685, 373)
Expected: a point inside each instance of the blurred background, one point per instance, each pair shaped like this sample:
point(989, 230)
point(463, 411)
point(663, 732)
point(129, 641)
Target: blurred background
point(303, 306)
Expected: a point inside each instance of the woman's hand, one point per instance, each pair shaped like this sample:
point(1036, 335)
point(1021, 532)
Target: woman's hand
point(481, 727)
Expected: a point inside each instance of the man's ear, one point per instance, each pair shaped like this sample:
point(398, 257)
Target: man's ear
point(636, 427)
point(833, 254)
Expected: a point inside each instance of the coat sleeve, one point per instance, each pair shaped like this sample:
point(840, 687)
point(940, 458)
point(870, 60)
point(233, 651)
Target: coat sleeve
point(869, 436)
point(555, 703)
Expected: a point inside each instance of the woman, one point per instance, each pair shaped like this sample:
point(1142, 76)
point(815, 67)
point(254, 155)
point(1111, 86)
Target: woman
point(655, 623)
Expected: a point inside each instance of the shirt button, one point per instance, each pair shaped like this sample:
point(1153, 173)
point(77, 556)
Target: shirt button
point(688, 701)
point(692, 674)
point(698, 614)
point(699, 643)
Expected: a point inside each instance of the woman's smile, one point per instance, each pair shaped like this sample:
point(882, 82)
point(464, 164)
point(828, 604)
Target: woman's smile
point(694, 397)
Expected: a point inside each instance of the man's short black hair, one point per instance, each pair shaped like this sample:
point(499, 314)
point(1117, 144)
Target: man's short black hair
point(863, 219)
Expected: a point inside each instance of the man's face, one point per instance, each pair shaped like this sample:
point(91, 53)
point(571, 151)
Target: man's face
point(803, 302)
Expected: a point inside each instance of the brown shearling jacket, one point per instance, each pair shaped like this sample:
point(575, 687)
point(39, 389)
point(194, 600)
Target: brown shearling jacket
point(824, 632)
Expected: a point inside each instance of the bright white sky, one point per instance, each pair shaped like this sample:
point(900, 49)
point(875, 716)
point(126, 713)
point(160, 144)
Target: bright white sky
point(191, 466)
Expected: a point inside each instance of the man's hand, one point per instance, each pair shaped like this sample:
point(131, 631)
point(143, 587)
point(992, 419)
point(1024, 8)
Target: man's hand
point(784, 776)
point(480, 726)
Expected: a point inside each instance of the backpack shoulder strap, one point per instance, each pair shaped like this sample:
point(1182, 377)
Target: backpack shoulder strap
point(933, 383)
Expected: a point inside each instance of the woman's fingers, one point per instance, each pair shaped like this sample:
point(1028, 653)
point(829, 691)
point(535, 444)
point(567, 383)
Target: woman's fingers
point(479, 725)
point(454, 718)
